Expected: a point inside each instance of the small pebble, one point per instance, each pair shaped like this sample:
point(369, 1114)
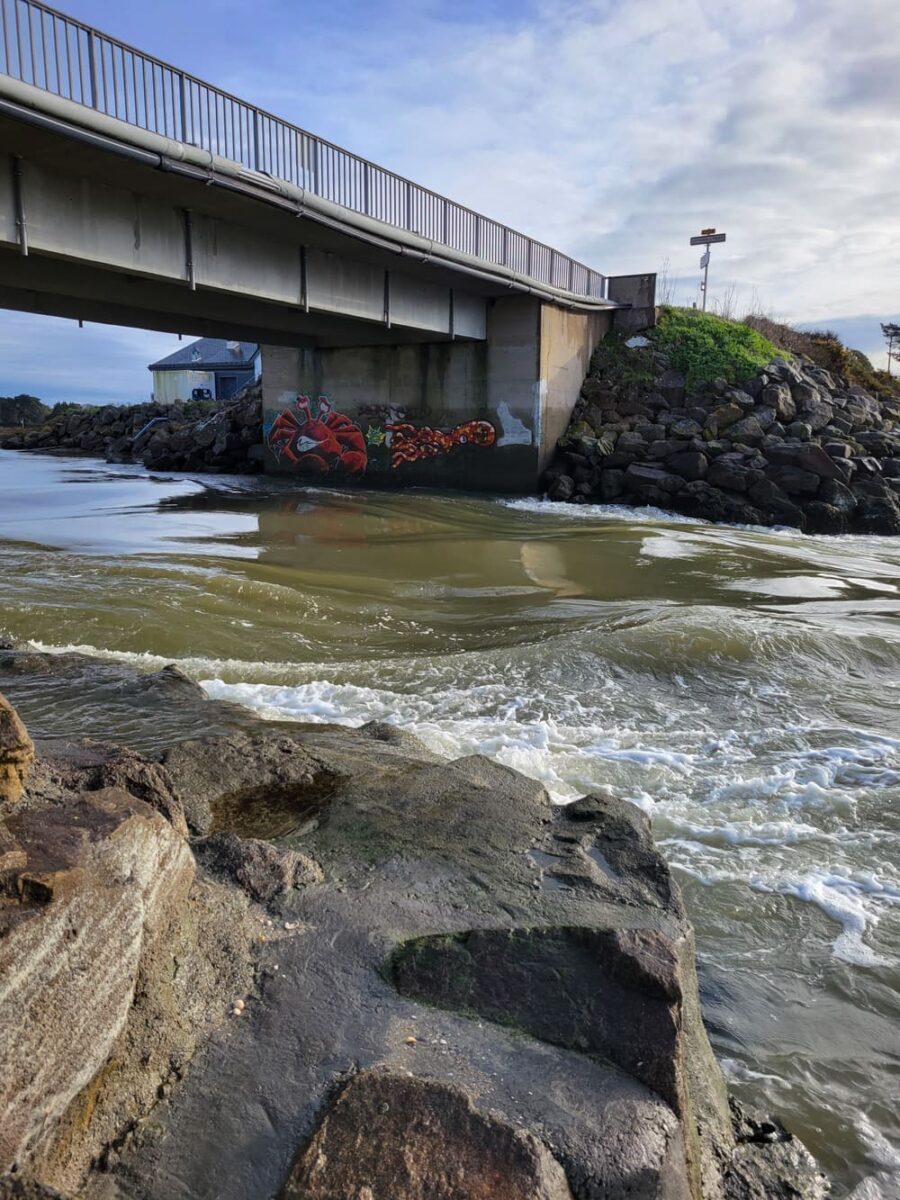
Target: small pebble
point(410, 1041)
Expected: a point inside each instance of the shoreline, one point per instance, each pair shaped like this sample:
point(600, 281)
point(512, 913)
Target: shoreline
point(278, 830)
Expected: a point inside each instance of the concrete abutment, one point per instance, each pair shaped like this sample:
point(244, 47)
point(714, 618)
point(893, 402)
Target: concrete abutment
point(481, 416)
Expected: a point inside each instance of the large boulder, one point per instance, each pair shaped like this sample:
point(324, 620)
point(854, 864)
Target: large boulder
point(16, 754)
point(390, 1135)
point(90, 885)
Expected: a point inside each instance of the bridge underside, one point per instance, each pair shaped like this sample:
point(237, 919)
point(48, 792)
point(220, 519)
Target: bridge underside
point(416, 371)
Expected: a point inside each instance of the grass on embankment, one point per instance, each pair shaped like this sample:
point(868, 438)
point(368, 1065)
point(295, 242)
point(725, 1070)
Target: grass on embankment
point(704, 347)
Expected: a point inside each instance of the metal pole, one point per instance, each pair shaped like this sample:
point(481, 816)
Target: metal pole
point(705, 278)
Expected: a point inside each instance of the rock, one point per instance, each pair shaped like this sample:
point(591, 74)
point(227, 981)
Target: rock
point(804, 395)
point(612, 485)
point(748, 430)
point(723, 417)
point(768, 1163)
point(563, 488)
point(16, 754)
point(639, 478)
point(819, 517)
point(689, 464)
point(672, 386)
point(630, 443)
point(94, 883)
point(793, 480)
point(799, 430)
point(837, 449)
point(808, 456)
point(701, 499)
point(818, 415)
point(65, 768)
point(728, 471)
point(263, 870)
point(778, 397)
point(877, 515)
point(404, 1139)
point(425, 861)
point(838, 495)
point(685, 427)
point(774, 502)
point(254, 784)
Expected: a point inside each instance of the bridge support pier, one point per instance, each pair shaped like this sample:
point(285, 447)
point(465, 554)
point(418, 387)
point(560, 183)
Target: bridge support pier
point(475, 415)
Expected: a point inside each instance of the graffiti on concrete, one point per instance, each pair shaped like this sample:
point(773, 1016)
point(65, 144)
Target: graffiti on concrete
point(321, 442)
point(515, 432)
point(410, 443)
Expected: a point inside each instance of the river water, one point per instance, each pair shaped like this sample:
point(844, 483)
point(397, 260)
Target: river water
point(740, 685)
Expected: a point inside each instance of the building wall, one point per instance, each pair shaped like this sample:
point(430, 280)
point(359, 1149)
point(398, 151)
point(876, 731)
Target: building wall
point(169, 386)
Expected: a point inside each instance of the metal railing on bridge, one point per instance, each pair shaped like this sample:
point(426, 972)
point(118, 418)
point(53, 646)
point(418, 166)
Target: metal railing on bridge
point(50, 50)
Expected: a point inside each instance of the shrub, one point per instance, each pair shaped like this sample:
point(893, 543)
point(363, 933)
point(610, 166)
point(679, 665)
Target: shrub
point(704, 347)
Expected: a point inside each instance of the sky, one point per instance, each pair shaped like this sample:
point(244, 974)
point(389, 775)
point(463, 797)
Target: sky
point(610, 130)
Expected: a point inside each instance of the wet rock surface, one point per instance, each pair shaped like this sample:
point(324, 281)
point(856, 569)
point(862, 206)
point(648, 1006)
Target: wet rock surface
point(16, 753)
point(794, 445)
point(194, 436)
point(455, 989)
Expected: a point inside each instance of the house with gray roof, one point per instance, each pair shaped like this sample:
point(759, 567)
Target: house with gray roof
point(208, 369)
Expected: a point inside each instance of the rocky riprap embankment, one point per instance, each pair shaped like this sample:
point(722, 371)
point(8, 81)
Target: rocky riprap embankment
point(795, 445)
point(409, 978)
point(193, 436)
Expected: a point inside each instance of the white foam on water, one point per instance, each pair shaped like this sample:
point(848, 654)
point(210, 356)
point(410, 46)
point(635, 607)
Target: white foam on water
point(730, 806)
point(760, 808)
point(194, 666)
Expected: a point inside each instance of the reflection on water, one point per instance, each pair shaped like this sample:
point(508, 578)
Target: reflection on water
point(740, 685)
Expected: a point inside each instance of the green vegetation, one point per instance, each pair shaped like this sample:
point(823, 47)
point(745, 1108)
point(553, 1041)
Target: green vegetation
point(22, 410)
point(618, 364)
point(826, 350)
point(704, 347)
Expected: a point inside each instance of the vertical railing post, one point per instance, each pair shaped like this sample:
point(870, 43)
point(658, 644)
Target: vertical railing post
point(256, 166)
point(183, 105)
point(408, 218)
point(528, 267)
point(505, 246)
point(366, 173)
point(92, 70)
point(571, 282)
point(477, 236)
point(446, 223)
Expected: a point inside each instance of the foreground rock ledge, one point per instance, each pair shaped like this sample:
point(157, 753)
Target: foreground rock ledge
point(460, 991)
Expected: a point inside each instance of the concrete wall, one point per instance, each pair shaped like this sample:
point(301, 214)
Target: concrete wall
point(477, 416)
point(568, 339)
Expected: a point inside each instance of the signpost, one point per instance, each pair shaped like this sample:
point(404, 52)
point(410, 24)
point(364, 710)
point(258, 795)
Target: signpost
point(706, 238)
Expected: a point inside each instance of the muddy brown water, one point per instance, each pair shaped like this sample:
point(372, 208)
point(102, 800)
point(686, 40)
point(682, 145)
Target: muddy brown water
point(741, 685)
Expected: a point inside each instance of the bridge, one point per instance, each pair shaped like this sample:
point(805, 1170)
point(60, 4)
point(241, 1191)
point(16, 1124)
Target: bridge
point(435, 345)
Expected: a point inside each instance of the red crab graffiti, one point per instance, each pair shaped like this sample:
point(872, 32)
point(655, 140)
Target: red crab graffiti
point(410, 444)
point(328, 443)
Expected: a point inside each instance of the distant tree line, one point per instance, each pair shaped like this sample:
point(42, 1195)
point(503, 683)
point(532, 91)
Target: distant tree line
point(29, 410)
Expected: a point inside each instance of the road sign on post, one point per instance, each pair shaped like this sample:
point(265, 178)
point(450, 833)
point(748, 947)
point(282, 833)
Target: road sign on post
point(706, 238)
